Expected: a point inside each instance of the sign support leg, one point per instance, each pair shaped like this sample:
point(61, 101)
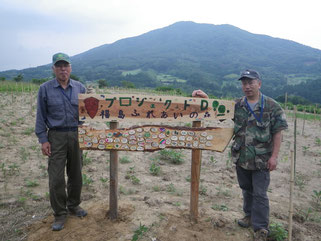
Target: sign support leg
point(195, 178)
point(113, 193)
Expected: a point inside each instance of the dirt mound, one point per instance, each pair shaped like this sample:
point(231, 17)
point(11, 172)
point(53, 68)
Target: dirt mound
point(171, 226)
point(96, 226)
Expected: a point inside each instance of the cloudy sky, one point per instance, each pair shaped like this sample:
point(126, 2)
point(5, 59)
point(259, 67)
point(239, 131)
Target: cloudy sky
point(31, 31)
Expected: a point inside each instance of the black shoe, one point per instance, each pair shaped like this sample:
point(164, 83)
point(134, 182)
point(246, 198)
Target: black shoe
point(77, 211)
point(58, 223)
point(244, 222)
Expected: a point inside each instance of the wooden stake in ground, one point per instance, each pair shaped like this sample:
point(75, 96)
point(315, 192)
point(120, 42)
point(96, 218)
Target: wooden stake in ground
point(304, 112)
point(320, 118)
point(291, 196)
point(285, 101)
point(31, 102)
point(294, 138)
point(195, 178)
point(113, 193)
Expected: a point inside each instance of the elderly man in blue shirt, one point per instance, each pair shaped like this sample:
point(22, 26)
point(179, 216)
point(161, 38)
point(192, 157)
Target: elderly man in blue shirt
point(57, 130)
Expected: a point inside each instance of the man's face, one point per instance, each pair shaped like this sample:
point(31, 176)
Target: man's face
point(251, 87)
point(62, 71)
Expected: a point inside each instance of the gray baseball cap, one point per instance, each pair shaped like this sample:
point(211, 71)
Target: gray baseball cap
point(250, 74)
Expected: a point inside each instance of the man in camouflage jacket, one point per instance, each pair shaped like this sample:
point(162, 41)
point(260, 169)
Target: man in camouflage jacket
point(258, 123)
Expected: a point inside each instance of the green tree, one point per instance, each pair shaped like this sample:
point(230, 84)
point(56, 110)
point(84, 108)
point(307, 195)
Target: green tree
point(102, 83)
point(128, 84)
point(38, 81)
point(2, 78)
point(74, 77)
point(164, 88)
point(18, 78)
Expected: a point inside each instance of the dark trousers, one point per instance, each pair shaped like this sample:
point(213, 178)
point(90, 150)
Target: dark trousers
point(65, 152)
point(254, 185)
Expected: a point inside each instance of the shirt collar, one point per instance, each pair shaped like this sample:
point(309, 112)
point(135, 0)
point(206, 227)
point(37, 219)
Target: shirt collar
point(56, 83)
point(259, 104)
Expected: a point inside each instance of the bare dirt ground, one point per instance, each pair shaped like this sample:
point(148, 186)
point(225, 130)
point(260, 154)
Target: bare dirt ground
point(155, 205)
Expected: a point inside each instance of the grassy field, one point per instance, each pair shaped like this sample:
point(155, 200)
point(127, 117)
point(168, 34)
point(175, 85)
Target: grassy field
point(11, 86)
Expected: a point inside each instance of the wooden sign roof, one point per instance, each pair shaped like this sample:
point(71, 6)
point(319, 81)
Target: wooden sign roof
point(130, 107)
point(154, 137)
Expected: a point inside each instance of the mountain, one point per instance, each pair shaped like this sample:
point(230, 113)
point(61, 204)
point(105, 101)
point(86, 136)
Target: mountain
point(190, 55)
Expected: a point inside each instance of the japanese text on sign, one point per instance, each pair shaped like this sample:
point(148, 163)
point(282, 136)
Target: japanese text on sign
point(152, 108)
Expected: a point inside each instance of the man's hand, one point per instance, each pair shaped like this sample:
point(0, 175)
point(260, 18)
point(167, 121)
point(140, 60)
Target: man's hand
point(272, 163)
point(46, 149)
point(199, 94)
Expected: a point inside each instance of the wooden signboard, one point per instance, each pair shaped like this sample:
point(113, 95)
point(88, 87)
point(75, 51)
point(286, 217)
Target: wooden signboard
point(141, 108)
point(155, 137)
point(130, 107)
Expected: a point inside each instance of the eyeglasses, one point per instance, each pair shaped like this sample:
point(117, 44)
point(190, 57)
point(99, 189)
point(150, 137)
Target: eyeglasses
point(62, 65)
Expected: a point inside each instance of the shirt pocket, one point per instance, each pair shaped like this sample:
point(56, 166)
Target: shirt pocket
point(55, 108)
point(263, 129)
point(74, 105)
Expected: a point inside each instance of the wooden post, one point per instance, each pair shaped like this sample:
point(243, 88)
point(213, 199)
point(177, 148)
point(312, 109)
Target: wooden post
point(31, 103)
point(195, 178)
point(291, 196)
point(320, 117)
point(294, 138)
point(303, 121)
point(113, 192)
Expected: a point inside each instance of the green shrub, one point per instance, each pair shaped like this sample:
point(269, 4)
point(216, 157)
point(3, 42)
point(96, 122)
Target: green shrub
point(220, 207)
point(139, 232)
point(172, 156)
point(124, 160)
point(154, 168)
point(86, 159)
point(277, 232)
point(87, 180)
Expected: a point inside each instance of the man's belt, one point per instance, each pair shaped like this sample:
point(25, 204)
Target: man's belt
point(64, 129)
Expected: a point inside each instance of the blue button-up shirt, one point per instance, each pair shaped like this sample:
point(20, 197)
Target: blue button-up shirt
point(57, 107)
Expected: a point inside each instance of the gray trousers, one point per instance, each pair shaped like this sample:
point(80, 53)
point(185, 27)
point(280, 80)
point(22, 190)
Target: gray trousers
point(254, 185)
point(65, 152)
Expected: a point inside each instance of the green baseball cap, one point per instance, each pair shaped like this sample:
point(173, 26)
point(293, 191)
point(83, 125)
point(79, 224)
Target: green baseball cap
point(60, 57)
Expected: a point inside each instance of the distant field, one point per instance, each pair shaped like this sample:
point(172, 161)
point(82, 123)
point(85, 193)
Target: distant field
point(165, 78)
point(169, 78)
point(294, 79)
point(132, 72)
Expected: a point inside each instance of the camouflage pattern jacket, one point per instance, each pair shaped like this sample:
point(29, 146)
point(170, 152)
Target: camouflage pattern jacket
point(253, 139)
